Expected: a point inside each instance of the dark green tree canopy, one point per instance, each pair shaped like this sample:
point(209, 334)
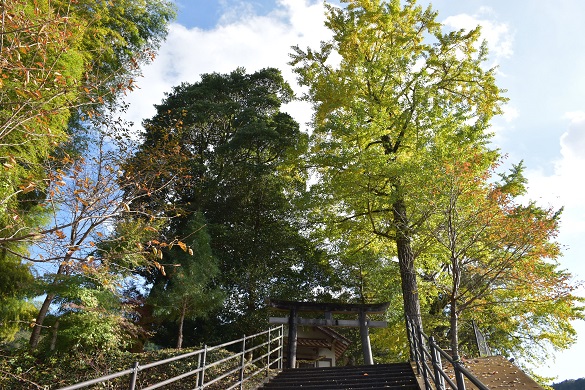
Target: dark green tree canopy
point(222, 120)
point(237, 156)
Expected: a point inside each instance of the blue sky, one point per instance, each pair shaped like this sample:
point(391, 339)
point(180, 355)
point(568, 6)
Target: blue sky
point(537, 44)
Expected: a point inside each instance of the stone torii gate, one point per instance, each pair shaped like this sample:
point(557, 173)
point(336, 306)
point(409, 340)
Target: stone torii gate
point(328, 309)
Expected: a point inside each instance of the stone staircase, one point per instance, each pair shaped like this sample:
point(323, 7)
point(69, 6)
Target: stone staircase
point(379, 376)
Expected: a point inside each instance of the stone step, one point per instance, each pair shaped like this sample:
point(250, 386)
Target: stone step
point(380, 376)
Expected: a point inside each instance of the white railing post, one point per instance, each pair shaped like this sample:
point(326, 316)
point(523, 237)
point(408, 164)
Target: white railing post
point(268, 353)
point(202, 376)
point(281, 347)
point(243, 362)
point(198, 375)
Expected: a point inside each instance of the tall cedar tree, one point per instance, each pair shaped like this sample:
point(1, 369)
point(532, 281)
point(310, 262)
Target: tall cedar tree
point(235, 156)
point(185, 292)
point(386, 89)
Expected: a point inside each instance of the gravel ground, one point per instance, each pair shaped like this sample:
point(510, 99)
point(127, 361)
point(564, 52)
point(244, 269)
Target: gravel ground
point(496, 373)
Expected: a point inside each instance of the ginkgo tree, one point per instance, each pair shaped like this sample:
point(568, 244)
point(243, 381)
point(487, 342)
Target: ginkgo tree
point(494, 260)
point(389, 86)
point(400, 149)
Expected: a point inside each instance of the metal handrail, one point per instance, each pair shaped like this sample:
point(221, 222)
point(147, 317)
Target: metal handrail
point(424, 350)
point(273, 336)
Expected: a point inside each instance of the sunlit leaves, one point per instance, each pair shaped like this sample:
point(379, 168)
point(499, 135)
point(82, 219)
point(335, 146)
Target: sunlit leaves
point(61, 63)
point(394, 96)
point(495, 257)
point(400, 149)
point(16, 281)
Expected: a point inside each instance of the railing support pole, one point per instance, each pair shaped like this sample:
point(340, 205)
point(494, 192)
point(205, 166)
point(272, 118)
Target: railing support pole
point(268, 354)
point(411, 335)
point(413, 343)
point(133, 377)
point(202, 376)
point(198, 375)
point(437, 364)
point(421, 358)
point(243, 362)
point(458, 374)
point(281, 347)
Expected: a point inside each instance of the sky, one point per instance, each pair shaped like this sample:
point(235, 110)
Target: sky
point(537, 45)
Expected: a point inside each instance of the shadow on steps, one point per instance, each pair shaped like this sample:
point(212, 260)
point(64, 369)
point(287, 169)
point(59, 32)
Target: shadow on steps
point(379, 376)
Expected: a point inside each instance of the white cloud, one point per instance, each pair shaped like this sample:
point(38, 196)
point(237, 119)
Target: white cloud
point(241, 39)
point(573, 140)
point(575, 116)
point(498, 35)
point(565, 186)
point(233, 11)
point(510, 113)
point(502, 124)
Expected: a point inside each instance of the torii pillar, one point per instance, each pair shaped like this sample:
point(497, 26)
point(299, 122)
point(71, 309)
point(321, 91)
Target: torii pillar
point(365, 337)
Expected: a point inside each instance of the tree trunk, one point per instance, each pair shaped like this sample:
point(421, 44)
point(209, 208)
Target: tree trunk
point(181, 322)
point(35, 336)
point(54, 337)
point(406, 262)
point(454, 308)
point(454, 330)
